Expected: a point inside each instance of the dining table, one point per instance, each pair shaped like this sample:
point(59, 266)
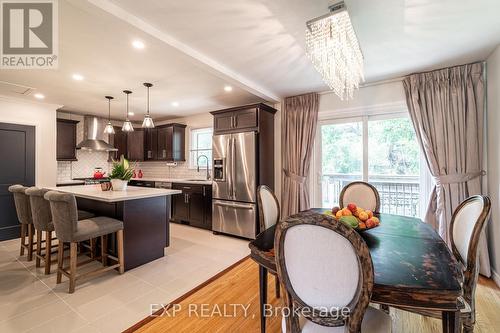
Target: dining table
point(413, 267)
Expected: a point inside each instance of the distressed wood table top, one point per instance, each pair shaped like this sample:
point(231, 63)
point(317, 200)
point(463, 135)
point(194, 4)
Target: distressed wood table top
point(412, 265)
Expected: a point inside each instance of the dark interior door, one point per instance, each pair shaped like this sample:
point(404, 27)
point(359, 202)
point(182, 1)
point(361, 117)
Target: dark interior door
point(17, 149)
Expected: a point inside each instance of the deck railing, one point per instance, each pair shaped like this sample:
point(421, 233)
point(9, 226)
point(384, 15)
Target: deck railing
point(398, 194)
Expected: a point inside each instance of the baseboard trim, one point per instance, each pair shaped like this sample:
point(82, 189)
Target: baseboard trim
point(495, 276)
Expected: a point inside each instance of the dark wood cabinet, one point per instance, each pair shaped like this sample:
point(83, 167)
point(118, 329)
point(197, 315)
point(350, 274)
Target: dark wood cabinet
point(150, 144)
point(119, 141)
point(193, 206)
point(66, 140)
point(175, 135)
point(162, 143)
point(162, 146)
point(135, 145)
point(239, 119)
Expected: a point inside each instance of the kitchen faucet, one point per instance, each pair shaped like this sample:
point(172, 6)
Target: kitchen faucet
point(198, 164)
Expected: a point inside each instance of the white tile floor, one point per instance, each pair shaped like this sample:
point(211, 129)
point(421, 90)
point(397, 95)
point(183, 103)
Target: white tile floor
point(31, 301)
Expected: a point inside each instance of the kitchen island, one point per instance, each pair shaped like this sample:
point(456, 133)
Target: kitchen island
point(144, 212)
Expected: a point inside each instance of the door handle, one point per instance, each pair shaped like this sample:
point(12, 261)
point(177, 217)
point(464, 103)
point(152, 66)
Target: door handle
point(204, 191)
point(233, 167)
point(164, 153)
point(228, 167)
point(232, 205)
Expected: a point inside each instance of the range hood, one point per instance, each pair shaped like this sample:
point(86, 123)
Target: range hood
point(93, 135)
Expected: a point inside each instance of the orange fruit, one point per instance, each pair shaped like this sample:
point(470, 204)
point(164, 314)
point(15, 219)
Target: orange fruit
point(346, 212)
point(338, 215)
point(370, 213)
point(375, 219)
point(363, 216)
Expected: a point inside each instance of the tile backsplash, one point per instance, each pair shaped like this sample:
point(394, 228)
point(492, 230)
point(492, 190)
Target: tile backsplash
point(162, 170)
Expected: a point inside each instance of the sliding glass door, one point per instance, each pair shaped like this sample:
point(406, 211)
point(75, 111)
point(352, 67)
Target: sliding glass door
point(382, 150)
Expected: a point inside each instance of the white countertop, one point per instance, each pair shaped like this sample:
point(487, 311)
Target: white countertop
point(94, 192)
point(175, 180)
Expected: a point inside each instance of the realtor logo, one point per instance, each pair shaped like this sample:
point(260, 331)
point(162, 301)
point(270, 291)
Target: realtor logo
point(29, 34)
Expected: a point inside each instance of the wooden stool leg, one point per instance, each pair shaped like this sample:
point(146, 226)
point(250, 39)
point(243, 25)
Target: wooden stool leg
point(23, 239)
point(31, 231)
point(92, 248)
point(72, 266)
point(48, 250)
point(104, 249)
point(38, 248)
point(60, 260)
point(119, 238)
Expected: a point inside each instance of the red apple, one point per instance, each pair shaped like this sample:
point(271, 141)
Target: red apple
point(352, 207)
point(370, 223)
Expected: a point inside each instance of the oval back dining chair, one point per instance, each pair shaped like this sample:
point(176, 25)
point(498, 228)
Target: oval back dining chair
point(327, 272)
point(362, 194)
point(269, 207)
point(269, 215)
point(467, 224)
point(23, 211)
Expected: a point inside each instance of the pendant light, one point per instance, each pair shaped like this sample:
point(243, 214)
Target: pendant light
point(127, 125)
point(148, 121)
point(109, 128)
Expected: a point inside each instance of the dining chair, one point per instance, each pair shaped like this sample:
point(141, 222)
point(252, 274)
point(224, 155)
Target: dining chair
point(362, 194)
point(23, 211)
point(269, 215)
point(327, 272)
point(467, 224)
point(69, 230)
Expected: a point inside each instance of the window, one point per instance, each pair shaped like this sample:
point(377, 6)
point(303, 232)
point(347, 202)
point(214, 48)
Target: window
point(200, 143)
point(382, 150)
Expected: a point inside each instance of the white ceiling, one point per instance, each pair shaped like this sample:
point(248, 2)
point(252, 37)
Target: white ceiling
point(264, 40)
point(196, 47)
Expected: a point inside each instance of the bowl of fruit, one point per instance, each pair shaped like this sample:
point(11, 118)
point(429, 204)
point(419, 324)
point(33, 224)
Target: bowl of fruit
point(355, 217)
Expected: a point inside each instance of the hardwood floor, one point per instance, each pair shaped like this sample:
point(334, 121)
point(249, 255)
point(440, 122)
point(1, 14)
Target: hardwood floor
point(240, 286)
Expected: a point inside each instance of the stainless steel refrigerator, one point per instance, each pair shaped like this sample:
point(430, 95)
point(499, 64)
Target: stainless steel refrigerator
point(234, 206)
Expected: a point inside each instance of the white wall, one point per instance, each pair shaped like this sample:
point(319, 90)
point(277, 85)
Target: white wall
point(493, 122)
point(382, 93)
point(43, 117)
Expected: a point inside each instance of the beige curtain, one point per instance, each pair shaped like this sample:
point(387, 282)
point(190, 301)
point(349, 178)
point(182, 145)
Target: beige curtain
point(447, 110)
point(298, 129)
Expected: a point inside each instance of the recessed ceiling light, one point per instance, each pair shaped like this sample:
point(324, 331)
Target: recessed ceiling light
point(39, 96)
point(78, 77)
point(138, 44)
point(228, 88)
point(175, 104)
point(131, 113)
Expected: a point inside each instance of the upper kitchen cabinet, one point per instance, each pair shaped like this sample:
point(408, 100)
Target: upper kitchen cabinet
point(162, 143)
point(66, 140)
point(171, 144)
point(176, 142)
point(240, 119)
point(151, 144)
point(119, 141)
point(136, 145)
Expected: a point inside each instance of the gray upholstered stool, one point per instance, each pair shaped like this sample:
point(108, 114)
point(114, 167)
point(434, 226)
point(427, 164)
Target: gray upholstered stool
point(42, 221)
point(24, 216)
point(69, 230)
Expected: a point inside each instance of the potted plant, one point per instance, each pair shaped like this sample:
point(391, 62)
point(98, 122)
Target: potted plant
point(121, 174)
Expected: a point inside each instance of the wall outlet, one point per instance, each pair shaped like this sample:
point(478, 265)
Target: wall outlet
point(172, 164)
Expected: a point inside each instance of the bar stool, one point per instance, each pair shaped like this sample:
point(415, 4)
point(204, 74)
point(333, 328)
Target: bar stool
point(23, 211)
point(42, 221)
point(68, 230)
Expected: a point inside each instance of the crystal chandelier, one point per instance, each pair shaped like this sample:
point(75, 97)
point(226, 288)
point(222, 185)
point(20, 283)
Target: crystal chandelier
point(334, 50)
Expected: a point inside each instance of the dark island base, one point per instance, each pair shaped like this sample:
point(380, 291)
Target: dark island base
point(146, 227)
